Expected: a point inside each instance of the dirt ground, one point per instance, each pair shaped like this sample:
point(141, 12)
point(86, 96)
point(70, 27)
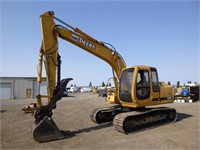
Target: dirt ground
point(72, 116)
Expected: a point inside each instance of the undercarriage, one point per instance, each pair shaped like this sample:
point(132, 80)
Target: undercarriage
point(127, 120)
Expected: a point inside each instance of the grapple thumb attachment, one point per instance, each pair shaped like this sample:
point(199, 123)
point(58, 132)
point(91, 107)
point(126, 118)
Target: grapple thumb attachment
point(44, 128)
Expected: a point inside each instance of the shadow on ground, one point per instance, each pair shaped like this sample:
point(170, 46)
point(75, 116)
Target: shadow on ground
point(181, 116)
point(88, 129)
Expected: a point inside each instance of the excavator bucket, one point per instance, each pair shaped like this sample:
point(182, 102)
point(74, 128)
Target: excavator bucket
point(44, 128)
point(47, 130)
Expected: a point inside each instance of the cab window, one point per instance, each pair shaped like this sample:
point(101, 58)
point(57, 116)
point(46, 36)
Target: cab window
point(125, 85)
point(143, 85)
point(155, 82)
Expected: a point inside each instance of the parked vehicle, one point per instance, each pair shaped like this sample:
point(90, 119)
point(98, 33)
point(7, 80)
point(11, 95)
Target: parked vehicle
point(65, 94)
point(102, 93)
point(85, 90)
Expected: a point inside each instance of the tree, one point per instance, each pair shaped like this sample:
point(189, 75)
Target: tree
point(178, 84)
point(103, 84)
point(108, 84)
point(90, 84)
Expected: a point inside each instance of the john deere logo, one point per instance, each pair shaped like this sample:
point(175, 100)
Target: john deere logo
point(82, 41)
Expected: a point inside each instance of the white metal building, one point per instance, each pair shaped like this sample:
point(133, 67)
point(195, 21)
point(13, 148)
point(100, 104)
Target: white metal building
point(20, 87)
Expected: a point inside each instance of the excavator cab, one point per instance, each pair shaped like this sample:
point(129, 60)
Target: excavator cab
point(139, 87)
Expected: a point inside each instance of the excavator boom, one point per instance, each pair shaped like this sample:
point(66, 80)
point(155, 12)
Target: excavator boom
point(49, 50)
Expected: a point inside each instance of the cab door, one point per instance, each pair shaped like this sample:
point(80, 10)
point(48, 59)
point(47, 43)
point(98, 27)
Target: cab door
point(143, 90)
point(155, 88)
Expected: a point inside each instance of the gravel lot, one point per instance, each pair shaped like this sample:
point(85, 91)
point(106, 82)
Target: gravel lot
point(72, 116)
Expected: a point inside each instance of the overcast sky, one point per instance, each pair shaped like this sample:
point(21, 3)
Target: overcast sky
point(163, 34)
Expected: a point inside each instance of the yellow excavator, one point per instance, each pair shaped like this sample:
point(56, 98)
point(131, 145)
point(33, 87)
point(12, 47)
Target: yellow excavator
point(136, 87)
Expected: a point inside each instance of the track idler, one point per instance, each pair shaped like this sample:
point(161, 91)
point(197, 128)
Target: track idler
point(44, 128)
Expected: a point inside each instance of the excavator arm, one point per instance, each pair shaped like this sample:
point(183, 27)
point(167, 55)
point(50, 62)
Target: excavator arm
point(44, 128)
point(49, 50)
